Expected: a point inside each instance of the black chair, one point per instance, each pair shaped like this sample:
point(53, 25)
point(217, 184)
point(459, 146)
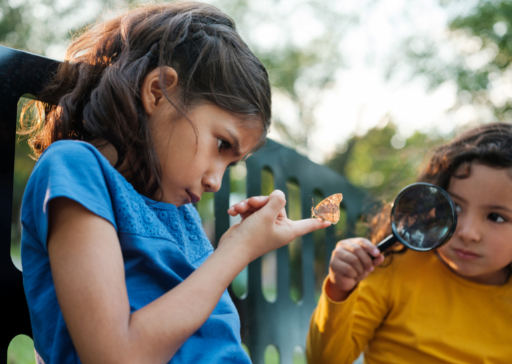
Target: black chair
point(282, 323)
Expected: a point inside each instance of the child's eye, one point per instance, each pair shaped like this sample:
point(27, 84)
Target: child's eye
point(222, 144)
point(458, 209)
point(495, 217)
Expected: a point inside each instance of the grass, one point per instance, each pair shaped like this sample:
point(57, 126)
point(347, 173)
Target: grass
point(21, 351)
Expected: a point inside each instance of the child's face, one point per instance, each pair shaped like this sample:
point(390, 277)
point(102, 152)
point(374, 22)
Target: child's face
point(481, 248)
point(191, 167)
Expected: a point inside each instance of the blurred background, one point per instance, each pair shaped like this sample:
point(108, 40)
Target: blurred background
point(365, 87)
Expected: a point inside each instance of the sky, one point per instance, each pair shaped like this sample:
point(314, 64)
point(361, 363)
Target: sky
point(361, 96)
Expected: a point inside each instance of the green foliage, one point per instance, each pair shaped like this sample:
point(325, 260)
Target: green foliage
point(481, 41)
point(23, 165)
point(38, 24)
point(299, 71)
point(271, 355)
point(21, 351)
point(372, 162)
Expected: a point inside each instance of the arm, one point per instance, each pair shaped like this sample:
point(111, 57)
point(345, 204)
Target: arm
point(351, 307)
point(88, 272)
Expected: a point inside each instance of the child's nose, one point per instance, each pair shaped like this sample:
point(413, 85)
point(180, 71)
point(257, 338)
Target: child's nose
point(212, 181)
point(468, 230)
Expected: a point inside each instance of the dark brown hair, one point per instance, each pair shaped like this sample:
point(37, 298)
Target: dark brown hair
point(489, 144)
point(95, 94)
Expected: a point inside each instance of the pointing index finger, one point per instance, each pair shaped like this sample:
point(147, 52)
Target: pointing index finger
point(306, 226)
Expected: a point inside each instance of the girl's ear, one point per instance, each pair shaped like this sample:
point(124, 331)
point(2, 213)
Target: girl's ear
point(151, 92)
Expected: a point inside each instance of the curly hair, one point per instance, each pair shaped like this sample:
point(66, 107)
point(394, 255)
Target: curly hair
point(95, 93)
point(489, 144)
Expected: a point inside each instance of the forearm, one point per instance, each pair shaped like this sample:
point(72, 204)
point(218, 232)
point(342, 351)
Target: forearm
point(334, 293)
point(158, 330)
point(330, 337)
point(88, 273)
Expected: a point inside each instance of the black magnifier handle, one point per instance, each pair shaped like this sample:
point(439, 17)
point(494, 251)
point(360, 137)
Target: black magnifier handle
point(385, 244)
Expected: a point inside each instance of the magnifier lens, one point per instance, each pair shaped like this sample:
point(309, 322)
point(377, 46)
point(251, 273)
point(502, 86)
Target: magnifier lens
point(422, 217)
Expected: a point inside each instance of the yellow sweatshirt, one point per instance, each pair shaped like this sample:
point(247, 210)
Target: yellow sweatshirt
point(414, 311)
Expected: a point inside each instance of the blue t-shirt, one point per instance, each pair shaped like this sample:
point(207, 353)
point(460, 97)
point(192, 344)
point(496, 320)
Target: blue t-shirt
point(161, 245)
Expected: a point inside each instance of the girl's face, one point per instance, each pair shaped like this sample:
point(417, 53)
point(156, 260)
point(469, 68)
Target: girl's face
point(481, 248)
point(193, 166)
point(193, 162)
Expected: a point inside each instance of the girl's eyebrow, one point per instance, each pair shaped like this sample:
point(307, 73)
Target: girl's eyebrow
point(490, 207)
point(456, 196)
point(499, 207)
point(235, 142)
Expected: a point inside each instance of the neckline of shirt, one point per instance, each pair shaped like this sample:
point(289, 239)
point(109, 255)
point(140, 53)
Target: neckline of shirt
point(150, 202)
point(454, 276)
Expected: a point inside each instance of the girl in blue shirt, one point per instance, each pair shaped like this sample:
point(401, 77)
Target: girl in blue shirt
point(144, 116)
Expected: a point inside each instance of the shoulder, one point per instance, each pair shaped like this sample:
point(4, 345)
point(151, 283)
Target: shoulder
point(409, 260)
point(71, 169)
point(74, 163)
point(401, 266)
point(73, 153)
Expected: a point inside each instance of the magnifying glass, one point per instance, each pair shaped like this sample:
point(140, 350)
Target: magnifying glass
point(423, 218)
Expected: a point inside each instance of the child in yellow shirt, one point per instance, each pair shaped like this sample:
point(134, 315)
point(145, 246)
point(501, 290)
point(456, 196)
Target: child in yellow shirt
point(451, 305)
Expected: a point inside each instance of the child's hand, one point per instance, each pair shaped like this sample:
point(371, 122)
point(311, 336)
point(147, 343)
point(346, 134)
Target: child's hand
point(264, 226)
point(350, 264)
point(246, 207)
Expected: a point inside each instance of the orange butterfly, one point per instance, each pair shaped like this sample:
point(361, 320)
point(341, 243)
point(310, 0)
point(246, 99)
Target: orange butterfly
point(328, 209)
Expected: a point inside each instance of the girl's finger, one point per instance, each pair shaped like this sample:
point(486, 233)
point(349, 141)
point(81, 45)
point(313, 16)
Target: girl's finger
point(342, 269)
point(378, 261)
point(362, 254)
point(253, 204)
point(348, 255)
point(248, 205)
point(239, 208)
point(282, 214)
point(257, 202)
point(248, 213)
point(275, 205)
point(306, 226)
point(369, 247)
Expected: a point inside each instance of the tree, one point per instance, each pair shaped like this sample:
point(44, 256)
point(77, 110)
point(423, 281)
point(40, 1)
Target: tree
point(383, 161)
point(476, 54)
point(301, 68)
point(42, 26)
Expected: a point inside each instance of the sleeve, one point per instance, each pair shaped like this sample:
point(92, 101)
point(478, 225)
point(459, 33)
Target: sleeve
point(70, 169)
point(339, 331)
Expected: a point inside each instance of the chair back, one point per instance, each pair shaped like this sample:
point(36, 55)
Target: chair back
point(283, 323)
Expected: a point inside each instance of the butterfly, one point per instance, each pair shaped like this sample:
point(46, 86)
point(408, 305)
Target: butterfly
point(328, 209)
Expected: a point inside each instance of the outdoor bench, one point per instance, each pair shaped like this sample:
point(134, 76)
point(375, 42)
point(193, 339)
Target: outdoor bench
point(284, 322)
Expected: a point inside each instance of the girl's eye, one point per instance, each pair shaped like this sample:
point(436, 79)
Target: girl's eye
point(458, 209)
point(495, 217)
point(222, 144)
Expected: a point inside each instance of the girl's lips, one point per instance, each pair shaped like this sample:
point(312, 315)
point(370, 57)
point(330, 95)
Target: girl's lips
point(466, 254)
point(193, 198)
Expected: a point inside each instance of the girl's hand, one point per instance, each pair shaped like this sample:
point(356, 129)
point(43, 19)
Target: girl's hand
point(246, 207)
point(264, 226)
point(350, 264)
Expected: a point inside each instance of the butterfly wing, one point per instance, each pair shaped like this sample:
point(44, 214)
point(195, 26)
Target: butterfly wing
point(328, 209)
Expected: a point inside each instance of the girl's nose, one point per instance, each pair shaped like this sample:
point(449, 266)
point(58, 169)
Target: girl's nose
point(468, 230)
point(212, 181)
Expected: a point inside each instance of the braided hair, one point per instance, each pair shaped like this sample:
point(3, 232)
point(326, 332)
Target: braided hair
point(95, 94)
